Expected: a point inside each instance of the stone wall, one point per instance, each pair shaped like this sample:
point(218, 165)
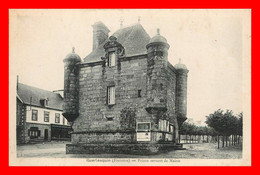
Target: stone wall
point(171, 98)
point(181, 95)
point(70, 105)
point(156, 81)
point(128, 77)
point(104, 137)
point(94, 112)
point(20, 121)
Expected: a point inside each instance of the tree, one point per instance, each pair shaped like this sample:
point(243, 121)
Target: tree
point(225, 124)
point(128, 118)
point(183, 130)
point(188, 129)
point(214, 120)
point(239, 130)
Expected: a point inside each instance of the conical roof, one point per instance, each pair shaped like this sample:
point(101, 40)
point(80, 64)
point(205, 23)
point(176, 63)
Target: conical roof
point(180, 66)
point(73, 56)
point(158, 38)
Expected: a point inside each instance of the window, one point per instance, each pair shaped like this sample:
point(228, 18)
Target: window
point(111, 95)
point(165, 125)
point(57, 118)
point(44, 102)
point(143, 126)
point(34, 115)
point(34, 132)
point(161, 86)
point(46, 116)
point(139, 93)
point(171, 129)
point(110, 118)
point(112, 59)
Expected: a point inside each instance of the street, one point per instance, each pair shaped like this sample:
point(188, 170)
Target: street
point(193, 151)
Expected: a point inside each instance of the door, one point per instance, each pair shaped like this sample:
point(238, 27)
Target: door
point(46, 134)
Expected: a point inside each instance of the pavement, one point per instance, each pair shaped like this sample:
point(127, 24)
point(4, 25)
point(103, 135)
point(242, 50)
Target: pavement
point(193, 151)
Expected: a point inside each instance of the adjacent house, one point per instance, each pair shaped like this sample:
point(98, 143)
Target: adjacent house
point(39, 115)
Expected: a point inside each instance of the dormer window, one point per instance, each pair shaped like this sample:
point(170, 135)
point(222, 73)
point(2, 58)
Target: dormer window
point(44, 102)
point(111, 59)
point(113, 51)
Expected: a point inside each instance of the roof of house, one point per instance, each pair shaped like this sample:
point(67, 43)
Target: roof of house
point(133, 38)
point(25, 92)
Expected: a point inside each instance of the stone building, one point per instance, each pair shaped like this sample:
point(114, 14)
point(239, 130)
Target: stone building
point(39, 115)
point(125, 93)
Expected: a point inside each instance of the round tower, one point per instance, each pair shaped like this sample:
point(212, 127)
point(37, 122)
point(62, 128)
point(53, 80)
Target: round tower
point(181, 92)
point(71, 71)
point(157, 52)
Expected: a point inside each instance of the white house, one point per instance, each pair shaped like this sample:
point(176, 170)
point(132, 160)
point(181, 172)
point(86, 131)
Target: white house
point(39, 115)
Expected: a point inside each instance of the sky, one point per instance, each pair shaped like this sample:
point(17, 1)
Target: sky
point(209, 42)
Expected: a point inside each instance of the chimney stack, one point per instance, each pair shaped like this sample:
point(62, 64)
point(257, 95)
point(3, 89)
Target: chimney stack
point(17, 79)
point(100, 34)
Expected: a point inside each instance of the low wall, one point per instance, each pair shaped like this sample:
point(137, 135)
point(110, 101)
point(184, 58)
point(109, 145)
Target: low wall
point(96, 137)
point(116, 136)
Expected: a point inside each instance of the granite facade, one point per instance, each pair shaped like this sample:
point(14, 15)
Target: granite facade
point(130, 83)
point(116, 98)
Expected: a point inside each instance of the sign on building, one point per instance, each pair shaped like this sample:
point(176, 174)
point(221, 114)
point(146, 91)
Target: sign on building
point(143, 131)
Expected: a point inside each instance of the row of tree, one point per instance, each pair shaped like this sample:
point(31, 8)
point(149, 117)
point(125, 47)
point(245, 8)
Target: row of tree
point(220, 125)
point(191, 132)
point(226, 124)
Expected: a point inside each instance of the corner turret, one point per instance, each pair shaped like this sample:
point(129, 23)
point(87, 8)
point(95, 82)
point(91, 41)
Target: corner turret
point(157, 52)
point(70, 106)
point(181, 92)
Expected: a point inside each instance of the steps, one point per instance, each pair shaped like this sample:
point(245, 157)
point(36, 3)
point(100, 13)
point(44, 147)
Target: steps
point(35, 141)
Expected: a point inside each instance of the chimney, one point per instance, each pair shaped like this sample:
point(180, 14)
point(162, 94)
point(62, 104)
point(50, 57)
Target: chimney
point(100, 34)
point(61, 92)
point(17, 82)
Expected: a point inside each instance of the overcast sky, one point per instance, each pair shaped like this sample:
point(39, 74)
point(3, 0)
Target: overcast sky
point(209, 42)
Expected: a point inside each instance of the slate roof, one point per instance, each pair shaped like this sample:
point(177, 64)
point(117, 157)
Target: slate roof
point(133, 38)
point(25, 92)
